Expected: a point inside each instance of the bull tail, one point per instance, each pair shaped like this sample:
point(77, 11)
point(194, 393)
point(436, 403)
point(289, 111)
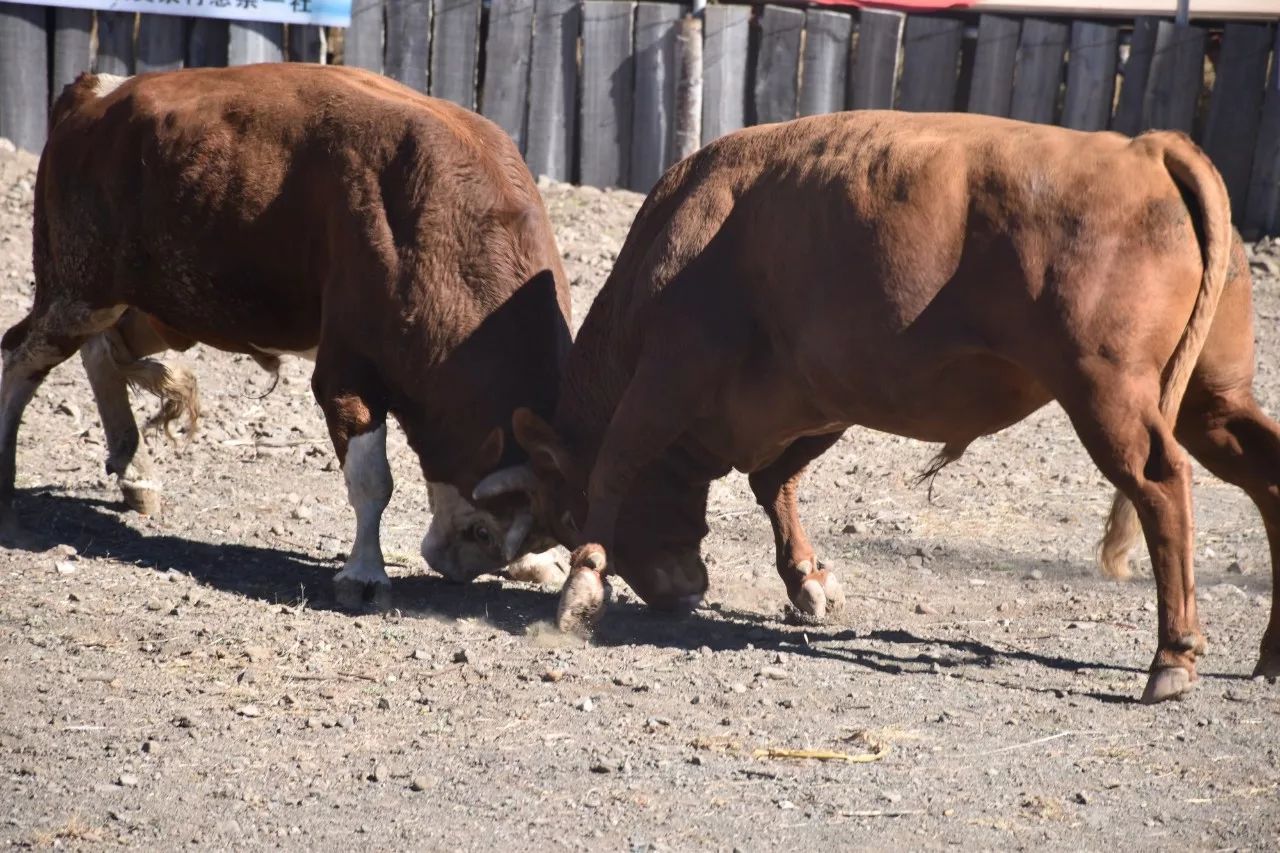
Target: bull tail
point(1198, 179)
point(175, 386)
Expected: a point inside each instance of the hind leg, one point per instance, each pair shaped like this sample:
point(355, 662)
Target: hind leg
point(1231, 436)
point(1119, 421)
point(106, 357)
point(31, 348)
point(354, 408)
point(812, 587)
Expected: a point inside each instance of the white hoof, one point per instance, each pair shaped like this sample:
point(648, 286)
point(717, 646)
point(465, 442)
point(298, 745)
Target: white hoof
point(820, 596)
point(581, 602)
point(141, 496)
point(546, 569)
point(1169, 682)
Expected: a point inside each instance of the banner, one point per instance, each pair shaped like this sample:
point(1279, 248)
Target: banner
point(325, 13)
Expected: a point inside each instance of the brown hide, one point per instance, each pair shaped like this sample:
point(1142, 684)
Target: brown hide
point(290, 207)
point(939, 277)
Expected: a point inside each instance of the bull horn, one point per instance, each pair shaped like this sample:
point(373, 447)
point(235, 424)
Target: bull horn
point(517, 534)
point(504, 481)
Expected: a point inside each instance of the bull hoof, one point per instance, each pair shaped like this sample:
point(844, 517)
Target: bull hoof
point(144, 500)
point(1167, 682)
point(581, 600)
point(1268, 664)
point(360, 595)
point(820, 595)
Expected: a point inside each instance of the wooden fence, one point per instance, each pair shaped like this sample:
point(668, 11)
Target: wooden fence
point(611, 92)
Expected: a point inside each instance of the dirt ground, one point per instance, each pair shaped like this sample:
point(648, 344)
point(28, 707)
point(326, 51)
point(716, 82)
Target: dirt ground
point(183, 679)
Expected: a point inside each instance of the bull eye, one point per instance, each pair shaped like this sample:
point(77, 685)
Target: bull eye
point(480, 534)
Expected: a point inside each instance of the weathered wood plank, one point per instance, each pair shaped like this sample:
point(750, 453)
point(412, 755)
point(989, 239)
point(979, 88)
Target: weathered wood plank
point(72, 47)
point(1262, 210)
point(1091, 76)
point(1235, 108)
point(306, 43)
point(115, 43)
point(455, 37)
point(1041, 50)
point(408, 42)
point(608, 75)
point(991, 90)
point(362, 41)
point(1136, 70)
point(553, 88)
point(724, 69)
point(207, 43)
point(653, 114)
point(160, 43)
point(824, 71)
point(505, 95)
point(254, 41)
point(930, 63)
point(873, 72)
point(24, 82)
point(778, 64)
point(1177, 74)
point(687, 134)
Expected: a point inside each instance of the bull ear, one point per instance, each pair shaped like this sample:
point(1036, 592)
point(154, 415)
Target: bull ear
point(490, 451)
point(546, 452)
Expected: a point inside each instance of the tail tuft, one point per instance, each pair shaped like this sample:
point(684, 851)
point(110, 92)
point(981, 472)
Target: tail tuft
point(175, 386)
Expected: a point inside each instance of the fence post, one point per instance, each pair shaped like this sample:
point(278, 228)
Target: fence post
point(1041, 49)
point(72, 51)
point(1177, 72)
point(778, 64)
point(159, 44)
point(408, 42)
point(991, 91)
point(687, 134)
point(724, 69)
point(608, 77)
point(506, 75)
point(873, 71)
point(826, 61)
point(1235, 109)
point(455, 39)
point(1262, 211)
point(1091, 76)
point(1142, 48)
point(553, 88)
point(254, 41)
point(362, 43)
point(24, 70)
point(207, 43)
point(930, 63)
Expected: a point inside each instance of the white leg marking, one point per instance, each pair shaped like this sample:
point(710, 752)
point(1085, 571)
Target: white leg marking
point(369, 487)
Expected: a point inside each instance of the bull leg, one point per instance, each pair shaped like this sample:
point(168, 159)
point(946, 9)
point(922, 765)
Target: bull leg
point(30, 349)
point(1230, 436)
point(104, 356)
point(358, 428)
point(1120, 423)
point(664, 396)
point(811, 586)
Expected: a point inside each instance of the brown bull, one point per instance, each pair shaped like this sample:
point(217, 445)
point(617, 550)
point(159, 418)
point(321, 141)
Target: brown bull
point(939, 277)
point(397, 240)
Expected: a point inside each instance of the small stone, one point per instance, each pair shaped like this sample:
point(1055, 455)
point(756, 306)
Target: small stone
point(384, 704)
point(313, 722)
point(855, 527)
point(155, 605)
point(696, 760)
point(302, 512)
point(420, 654)
point(553, 675)
point(585, 704)
point(460, 656)
point(64, 568)
point(249, 711)
point(380, 773)
point(419, 783)
point(915, 562)
point(1002, 607)
point(788, 703)
point(926, 609)
point(127, 780)
point(278, 530)
point(256, 654)
point(774, 673)
point(1236, 568)
point(1035, 575)
point(345, 721)
point(738, 687)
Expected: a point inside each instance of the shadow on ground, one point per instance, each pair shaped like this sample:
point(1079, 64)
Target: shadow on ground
point(97, 529)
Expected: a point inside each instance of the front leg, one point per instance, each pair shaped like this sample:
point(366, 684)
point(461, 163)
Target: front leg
point(348, 391)
point(363, 580)
point(811, 586)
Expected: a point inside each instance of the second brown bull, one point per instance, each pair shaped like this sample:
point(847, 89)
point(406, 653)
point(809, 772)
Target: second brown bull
point(939, 277)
